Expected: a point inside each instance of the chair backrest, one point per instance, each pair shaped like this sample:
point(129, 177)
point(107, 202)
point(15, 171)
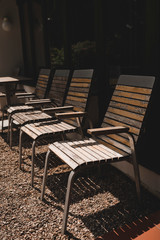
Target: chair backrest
point(79, 90)
point(59, 86)
point(127, 107)
point(42, 82)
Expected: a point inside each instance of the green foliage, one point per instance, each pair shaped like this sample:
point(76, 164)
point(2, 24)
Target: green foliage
point(57, 57)
point(83, 55)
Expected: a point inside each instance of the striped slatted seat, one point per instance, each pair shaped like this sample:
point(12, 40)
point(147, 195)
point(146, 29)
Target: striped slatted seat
point(16, 113)
point(40, 92)
point(79, 91)
point(59, 87)
point(114, 141)
point(54, 127)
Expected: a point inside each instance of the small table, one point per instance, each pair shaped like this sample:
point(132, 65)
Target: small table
point(6, 81)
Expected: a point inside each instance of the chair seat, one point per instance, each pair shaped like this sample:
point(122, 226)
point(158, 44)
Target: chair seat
point(22, 118)
point(86, 152)
point(50, 127)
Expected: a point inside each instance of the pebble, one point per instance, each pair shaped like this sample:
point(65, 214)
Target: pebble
point(98, 205)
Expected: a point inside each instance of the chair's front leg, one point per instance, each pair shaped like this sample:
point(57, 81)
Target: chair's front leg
point(20, 148)
point(10, 132)
point(67, 200)
point(135, 166)
point(2, 120)
point(33, 158)
point(45, 174)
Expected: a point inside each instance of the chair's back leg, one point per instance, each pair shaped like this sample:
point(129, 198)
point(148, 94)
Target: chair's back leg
point(20, 148)
point(67, 200)
point(33, 157)
point(45, 174)
point(136, 168)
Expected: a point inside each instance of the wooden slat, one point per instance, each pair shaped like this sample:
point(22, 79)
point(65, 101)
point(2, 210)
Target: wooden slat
point(63, 156)
point(133, 89)
point(127, 107)
point(81, 80)
point(115, 143)
point(130, 101)
point(124, 113)
point(69, 152)
point(28, 132)
point(132, 95)
point(84, 85)
point(123, 119)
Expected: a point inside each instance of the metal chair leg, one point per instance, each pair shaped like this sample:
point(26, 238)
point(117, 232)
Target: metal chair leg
point(9, 122)
point(20, 148)
point(45, 174)
point(33, 157)
point(11, 132)
point(67, 200)
point(135, 166)
point(2, 120)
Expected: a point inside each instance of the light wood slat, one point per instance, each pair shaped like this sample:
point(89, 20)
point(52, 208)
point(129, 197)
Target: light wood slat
point(124, 113)
point(43, 76)
point(29, 133)
point(74, 89)
point(123, 119)
point(130, 101)
point(67, 126)
point(82, 142)
point(93, 154)
point(78, 99)
point(134, 89)
point(71, 154)
point(86, 155)
point(61, 127)
point(63, 156)
point(78, 94)
point(132, 95)
point(115, 143)
point(96, 150)
point(44, 129)
point(108, 151)
point(82, 154)
point(84, 85)
point(34, 130)
point(120, 138)
point(113, 148)
point(127, 107)
point(81, 80)
point(54, 128)
point(84, 149)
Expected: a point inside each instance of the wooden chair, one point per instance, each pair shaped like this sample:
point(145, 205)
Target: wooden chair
point(57, 93)
point(78, 94)
point(115, 141)
point(40, 92)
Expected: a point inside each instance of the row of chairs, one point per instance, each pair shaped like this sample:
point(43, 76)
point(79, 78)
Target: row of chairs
point(114, 141)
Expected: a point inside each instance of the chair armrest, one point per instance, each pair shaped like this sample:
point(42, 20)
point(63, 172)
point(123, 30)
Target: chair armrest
point(38, 101)
point(21, 94)
point(108, 130)
point(57, 109)
point(70, 115)
point(26, 96)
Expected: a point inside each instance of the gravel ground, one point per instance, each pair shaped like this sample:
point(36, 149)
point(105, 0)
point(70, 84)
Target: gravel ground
point(98, 205)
